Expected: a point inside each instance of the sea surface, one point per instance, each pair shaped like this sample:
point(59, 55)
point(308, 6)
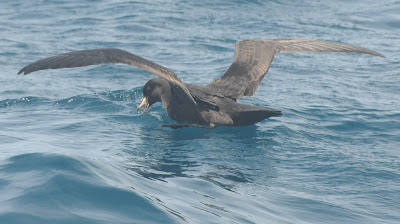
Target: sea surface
point(73, 148)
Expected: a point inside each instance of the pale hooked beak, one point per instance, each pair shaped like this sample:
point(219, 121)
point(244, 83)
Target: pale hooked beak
point(144, 104)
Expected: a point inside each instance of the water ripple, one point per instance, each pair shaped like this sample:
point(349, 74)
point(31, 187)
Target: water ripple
point(74, 149)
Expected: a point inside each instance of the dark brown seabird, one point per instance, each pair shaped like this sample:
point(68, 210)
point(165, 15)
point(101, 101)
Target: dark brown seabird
point(203, 106)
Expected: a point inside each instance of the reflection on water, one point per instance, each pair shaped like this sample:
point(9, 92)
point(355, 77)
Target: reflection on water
point(224, 156)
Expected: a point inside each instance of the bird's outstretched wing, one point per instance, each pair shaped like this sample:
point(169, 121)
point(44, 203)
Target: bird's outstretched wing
point(104, 56)
point(253, 58)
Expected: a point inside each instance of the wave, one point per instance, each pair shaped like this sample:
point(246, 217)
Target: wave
point(49, 188)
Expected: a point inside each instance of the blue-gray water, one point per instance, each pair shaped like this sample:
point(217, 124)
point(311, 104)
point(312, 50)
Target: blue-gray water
point(73, 149)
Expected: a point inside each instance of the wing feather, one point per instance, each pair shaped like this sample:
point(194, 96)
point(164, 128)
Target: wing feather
point(253, 58)
point(104, 56)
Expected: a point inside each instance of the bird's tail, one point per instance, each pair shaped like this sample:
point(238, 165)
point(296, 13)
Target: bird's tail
point(253, 115)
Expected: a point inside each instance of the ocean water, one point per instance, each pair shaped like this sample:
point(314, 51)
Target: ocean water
point(73, 149)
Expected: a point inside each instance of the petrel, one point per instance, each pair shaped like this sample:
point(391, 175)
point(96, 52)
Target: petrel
point(206, 106)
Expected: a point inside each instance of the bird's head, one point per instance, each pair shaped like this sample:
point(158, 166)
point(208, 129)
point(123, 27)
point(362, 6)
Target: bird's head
point(155, 90)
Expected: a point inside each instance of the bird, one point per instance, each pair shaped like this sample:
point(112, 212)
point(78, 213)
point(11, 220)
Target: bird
point(211, 105)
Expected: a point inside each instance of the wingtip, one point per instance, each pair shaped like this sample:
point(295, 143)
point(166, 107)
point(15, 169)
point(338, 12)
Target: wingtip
point(22, 71)
point(374, 53)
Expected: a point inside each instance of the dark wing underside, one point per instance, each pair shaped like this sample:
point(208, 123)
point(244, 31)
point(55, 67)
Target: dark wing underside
point(104, 56)
point(253, 58)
